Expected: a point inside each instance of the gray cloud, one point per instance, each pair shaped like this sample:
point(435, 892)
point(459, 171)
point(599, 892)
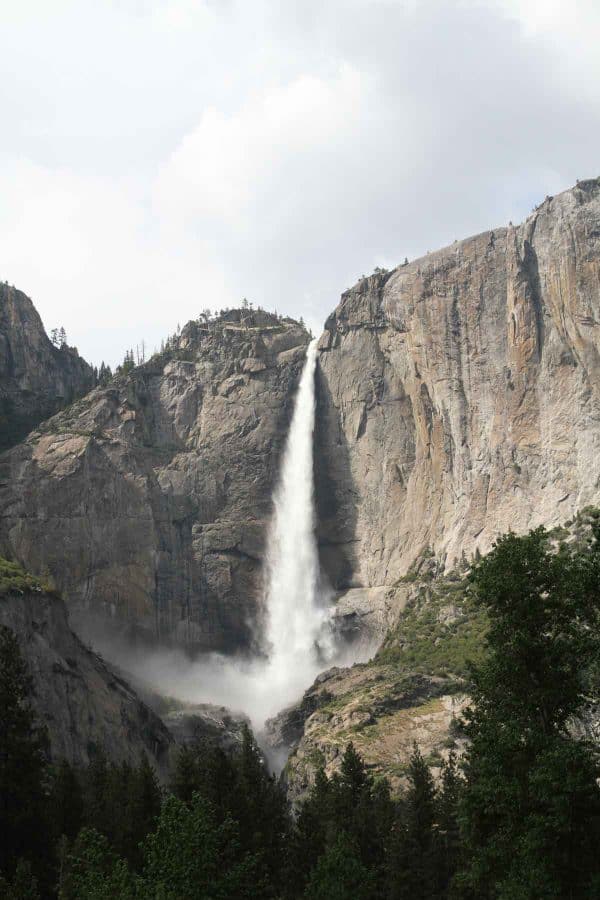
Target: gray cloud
point(160, 157)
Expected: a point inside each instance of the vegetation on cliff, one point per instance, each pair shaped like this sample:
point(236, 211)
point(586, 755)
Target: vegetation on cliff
point(15, 580)
point(417, 686)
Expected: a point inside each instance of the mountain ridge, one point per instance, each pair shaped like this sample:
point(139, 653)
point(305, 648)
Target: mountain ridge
point(37, 378)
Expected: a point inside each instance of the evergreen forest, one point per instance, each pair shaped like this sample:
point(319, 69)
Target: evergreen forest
point(516, 818)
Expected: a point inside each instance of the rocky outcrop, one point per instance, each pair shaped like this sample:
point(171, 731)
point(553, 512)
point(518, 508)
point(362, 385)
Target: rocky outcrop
point(205, 723)
point(383, 712)
point(411, 691)
point(36, 378)
point(414, 689)
point(147, 501)
point(459, 396)
point(81, 701)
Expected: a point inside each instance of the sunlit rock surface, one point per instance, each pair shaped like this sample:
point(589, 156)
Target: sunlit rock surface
point(459, 396)
point(147, 500)
point(414, 690)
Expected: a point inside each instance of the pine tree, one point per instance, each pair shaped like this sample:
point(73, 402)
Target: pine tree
point(530, 812)
point(142, 809)
point(191, 855)
point(128, 363)
point(448, 830)
point(97, 814)
point(186, 778)
point(24, 884)
point(119, 826)
point(104, 374)
point(260, 807)
point(351, 802)
point(93, 871)
point(340, 874)
point(412, 860)
point(22, 742)
point(310, 835)
point(353, 773)
point(66, 802)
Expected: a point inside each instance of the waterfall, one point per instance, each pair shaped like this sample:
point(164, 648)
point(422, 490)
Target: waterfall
point(297, 638)
point(296, 623)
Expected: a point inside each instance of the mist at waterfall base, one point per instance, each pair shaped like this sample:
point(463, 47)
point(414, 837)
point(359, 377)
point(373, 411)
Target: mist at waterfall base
point(298, 636)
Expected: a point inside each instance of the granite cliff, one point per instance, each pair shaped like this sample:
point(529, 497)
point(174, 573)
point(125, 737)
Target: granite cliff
point(147, 500)
point(460, 397)
point(83, 703)
point(36, 378)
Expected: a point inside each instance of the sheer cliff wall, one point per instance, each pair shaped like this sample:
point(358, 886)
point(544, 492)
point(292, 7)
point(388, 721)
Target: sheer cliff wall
point(459, 396)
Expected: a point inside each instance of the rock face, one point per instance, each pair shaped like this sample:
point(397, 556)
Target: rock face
point(382, 712)
point(82, 702)
point(36, 378)
point(205, 723)
point(413, 690)
point(147, 501)
point(459, 396)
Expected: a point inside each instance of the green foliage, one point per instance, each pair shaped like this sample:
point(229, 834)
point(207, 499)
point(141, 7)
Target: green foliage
point(448, 829)
point(340, 874)
point(424, 642)
point(530, 813)
point(192, 856)
point(352, 803)
point(23, 886)
point(239, 787)
point(94, 872)
point(309, 837)
point(14, 579)
point(103, 375)
point(127, 365)
point(122, 803)
point(65, 802)
point(22, 763)
point(260, 807)
point(411, 864)
point(523, 822)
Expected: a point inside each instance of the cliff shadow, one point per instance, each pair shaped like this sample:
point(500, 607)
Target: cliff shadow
point(335, 491)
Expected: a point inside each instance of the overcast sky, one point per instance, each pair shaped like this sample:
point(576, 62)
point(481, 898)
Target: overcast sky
point(163, 156)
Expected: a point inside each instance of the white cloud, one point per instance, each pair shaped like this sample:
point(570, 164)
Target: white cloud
point(160, 157)
point(223, 169)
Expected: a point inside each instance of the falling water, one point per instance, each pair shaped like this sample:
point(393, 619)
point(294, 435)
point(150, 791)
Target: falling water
point(297, 637)
point(296, 630)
